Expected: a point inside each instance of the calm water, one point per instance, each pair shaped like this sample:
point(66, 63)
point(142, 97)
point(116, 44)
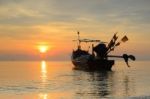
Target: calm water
point(57, 80)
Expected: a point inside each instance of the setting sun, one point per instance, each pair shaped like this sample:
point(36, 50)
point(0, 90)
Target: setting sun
point(43, 48)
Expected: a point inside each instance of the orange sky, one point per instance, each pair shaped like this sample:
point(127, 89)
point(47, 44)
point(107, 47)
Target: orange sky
point(24, 25)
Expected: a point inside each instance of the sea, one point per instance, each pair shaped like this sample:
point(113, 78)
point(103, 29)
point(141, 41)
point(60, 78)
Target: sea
point(58, 80)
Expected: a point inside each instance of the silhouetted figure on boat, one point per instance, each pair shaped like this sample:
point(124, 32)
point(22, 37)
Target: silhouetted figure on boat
point(101, 51)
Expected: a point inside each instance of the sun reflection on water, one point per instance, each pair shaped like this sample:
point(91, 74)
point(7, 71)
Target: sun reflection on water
point(43, 71)
point(43, 80)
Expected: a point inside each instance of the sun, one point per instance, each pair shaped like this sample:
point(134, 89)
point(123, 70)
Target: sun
point(43, 48)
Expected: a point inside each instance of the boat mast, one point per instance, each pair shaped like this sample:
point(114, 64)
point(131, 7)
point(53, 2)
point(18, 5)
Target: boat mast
point(79, 47)
point(93, 50)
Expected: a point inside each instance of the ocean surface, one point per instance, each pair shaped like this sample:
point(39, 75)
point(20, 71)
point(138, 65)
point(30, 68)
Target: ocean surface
point(57, 80)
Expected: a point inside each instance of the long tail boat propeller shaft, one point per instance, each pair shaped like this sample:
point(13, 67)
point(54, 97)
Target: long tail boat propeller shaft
point(125, 57)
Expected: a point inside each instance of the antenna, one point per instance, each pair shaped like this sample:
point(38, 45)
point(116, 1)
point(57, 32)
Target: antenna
point(79, 47)
point(78, 35)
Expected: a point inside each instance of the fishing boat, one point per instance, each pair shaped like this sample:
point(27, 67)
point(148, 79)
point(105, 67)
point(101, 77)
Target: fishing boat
point(97, 59)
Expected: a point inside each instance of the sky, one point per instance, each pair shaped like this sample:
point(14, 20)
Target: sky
point(26, 24)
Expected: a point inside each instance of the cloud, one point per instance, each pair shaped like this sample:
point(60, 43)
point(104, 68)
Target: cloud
point(23, 12)
point(85, 15)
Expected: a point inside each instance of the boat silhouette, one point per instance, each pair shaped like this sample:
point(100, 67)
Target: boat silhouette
point(98, 58)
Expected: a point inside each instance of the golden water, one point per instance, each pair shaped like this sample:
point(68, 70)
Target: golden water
point(57, 80)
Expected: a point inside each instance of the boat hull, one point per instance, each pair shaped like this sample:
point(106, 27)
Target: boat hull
point(93, 65)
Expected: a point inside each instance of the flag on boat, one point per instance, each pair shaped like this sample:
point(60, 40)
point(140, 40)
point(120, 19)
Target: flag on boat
point(124, 39)
point(117, 44)
point(115, 37)
point(113, 41)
